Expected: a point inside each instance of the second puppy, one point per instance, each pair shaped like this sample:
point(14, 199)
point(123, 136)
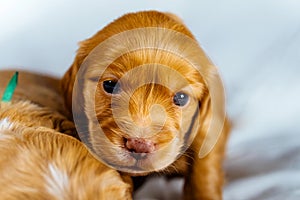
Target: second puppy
point(38, 162)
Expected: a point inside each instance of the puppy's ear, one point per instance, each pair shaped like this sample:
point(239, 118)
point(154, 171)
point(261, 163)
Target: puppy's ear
point(68, 80)
point(67, 83)
point(214, 125)
point(205, 117)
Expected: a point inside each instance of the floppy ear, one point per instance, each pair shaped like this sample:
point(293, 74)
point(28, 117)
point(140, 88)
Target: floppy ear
point(205, 113)
point(214, 125)
point(68, 80)
point(208, 140)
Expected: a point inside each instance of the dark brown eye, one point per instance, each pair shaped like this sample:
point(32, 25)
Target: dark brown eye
point(111, 87)
point(180, 99)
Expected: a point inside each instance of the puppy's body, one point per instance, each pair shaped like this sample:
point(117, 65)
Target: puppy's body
point(38, 162)
point(204, 177)
point(39, 89)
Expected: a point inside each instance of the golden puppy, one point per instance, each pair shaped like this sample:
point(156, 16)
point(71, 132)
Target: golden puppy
point(143, 97)
point(37, 162)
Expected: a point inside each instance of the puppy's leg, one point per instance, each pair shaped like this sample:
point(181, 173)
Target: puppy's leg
point(204, 180)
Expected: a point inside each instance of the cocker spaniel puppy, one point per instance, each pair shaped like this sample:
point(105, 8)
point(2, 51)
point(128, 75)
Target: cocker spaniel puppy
point(39, 162)
point(147, 100)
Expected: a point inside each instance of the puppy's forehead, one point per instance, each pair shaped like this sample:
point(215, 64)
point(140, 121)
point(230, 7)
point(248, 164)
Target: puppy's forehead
point(155, 66)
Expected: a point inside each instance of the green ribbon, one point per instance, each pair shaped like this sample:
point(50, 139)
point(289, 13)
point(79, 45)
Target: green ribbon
point(10, 89)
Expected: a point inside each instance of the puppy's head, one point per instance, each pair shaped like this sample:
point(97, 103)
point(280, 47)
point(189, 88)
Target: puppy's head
point(139, 94)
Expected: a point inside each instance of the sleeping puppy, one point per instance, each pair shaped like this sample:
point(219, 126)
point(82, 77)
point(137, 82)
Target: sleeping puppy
point(144, 99)
point(38, 162)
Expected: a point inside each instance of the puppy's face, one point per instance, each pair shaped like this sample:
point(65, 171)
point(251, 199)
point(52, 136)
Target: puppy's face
point(148, 109)
point(135, 90)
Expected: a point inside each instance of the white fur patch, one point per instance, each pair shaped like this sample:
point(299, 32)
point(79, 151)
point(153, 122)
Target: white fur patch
point(57, 182)
point(5, 126)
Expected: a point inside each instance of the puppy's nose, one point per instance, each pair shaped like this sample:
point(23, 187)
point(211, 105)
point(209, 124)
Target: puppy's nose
point(139, 145)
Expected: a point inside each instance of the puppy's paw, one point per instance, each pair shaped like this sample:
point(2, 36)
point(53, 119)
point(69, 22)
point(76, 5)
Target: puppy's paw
point(68, 128)
point(61, 124)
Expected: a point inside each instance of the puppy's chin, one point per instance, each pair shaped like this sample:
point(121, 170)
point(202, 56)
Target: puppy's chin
point(134, 166)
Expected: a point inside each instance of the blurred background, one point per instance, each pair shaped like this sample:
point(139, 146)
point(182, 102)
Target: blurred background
point(255, 44)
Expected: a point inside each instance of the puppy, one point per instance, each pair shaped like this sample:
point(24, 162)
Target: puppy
point(38, 162)
point(141, 93)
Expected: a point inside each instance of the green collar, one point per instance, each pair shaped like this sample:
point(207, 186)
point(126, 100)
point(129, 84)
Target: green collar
point(10, 89)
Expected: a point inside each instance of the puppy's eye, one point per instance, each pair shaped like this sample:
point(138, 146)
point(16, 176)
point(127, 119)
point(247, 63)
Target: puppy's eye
point(111, 87)
point(180, 99)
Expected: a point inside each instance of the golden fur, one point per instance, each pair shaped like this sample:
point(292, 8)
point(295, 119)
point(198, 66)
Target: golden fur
point(38, 162)
point(38, 88)
point(47, 104)
point(204, 177)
